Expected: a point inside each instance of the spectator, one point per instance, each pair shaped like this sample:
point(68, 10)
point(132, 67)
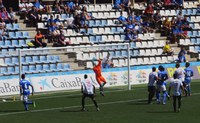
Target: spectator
point(130, 26)
point(25, 6)
point(11, 15)
point(148, 12)
point(118, 5)
point(176, 34)
point(167, 4)
point(180, 15)
point(185, 24)
point(183, 33)
point(69, 23)
point(1, 4)
point(137, 18)
point(33, 16)
point(60, 42)
point(131, 36)
point(51, 20)
point(71, 5)
point(130, 17)
point(107, 61)
point(58, 22)
point(126, 6)
point(77, 20)
point(39, 40)
point(38, 5)
point(3, 32)
point(157, 22)
point(198, 9)
point(167, 26)
point(53, 30)
point(4, 16)
point(147, 26)
point(58, 9)
point(181, 55)
point(173, 22)
point(167, 49)
point(122, 19)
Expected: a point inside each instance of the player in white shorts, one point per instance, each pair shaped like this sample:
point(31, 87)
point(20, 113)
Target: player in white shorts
point(88, 90)
point(180, 72)
point(177, 85)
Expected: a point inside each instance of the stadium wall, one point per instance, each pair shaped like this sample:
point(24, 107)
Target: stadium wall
point(71, 80)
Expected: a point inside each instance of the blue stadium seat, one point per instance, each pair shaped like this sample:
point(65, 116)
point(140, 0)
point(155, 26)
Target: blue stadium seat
point(92, 39)
point(15, 43)
point(90, 31)
point(16, 26)
point(46, 68)
point(25, 35)
point(15, 60)
point(19, 35)
point(56, 58)
point(91, 23)
point(104, 22)
point(29, 59)
point(25, 69)
point(50, 59)
point(8, 61)
point(53, 67)
point(9, 27)
point(66, 67)
point(39, 68)
point(60, 67)
point(8, 43)
point(12, 35)
point(43, 59)
point(133, 45)
point(16, 69)
point(36, 59)
point(3, 71)
point(32, 69)
point(64, 16)
point(113, 29)
point(11, 70)
point(98, 23)
point(118, 54)
point(2, 44)
point(124, 53)
point(98, 38)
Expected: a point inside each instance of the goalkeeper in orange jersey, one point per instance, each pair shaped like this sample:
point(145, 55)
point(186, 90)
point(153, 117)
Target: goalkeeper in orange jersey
point(100, 79)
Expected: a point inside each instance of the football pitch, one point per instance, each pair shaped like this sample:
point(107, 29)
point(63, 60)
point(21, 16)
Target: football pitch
point(118, 106)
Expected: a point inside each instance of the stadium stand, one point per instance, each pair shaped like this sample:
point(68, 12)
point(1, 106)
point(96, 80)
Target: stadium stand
point(88, 24)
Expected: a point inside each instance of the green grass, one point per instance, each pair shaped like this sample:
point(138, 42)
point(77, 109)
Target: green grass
point(116, 107)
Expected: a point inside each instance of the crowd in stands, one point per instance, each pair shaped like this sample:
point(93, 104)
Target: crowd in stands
point(6, 17)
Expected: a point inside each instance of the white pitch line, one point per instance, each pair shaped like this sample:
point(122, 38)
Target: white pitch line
point(70, 107)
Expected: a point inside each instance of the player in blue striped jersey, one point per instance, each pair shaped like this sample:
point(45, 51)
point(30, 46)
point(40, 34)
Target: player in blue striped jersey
point(188, 75)
point(153, 76)
point(25, 92)
point(161, 85)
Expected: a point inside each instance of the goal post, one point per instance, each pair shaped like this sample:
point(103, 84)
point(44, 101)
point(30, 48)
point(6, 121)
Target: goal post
point(30, 59)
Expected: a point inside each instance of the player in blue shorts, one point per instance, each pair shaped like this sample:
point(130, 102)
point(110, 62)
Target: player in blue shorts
point(161, 87)
point(188, 74)
point(25, 92)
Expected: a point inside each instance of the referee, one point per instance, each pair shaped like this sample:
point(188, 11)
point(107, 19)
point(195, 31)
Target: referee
point(151, 84)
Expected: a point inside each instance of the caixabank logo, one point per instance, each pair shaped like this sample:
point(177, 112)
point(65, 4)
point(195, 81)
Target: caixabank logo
point(44, 84)
point(8, 88)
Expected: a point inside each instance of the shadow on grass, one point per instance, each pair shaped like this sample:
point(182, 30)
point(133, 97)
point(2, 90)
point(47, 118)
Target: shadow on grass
point(4, 111)
point(140, 102)
point(160, 112)
point(71, 110)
